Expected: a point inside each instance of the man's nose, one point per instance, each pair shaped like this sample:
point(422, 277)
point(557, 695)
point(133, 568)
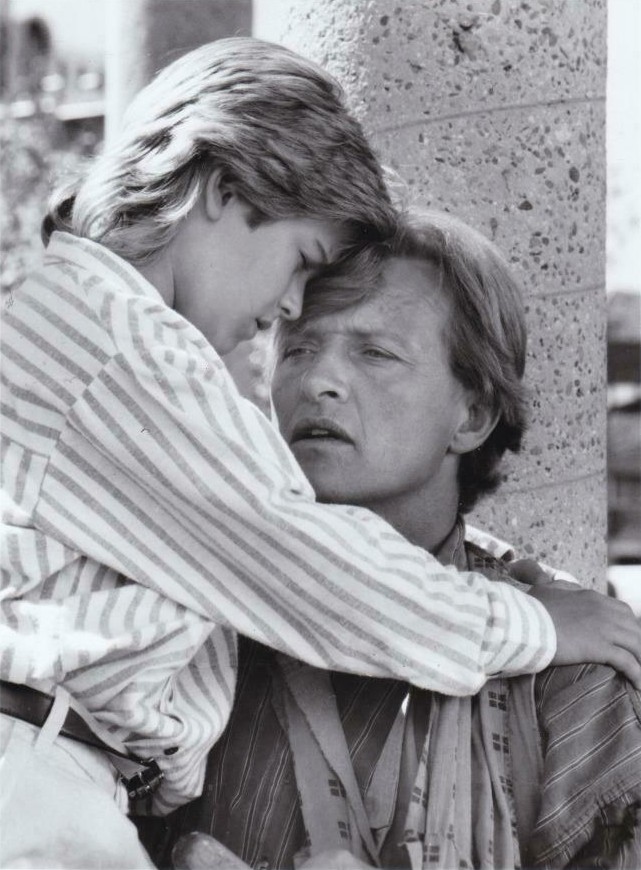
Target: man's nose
point(325, 377)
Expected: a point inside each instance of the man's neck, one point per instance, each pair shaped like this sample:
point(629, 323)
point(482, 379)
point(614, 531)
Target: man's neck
point(423, 520)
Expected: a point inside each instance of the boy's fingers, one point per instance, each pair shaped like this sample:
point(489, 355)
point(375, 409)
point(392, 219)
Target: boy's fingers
point(198, 851)
point(624, 661)
point(623, 609)
point(629, 638)
point(593, 628)
point(622, 626)
point(528, 571)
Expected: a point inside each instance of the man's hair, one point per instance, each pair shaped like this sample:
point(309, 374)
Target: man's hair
point(485, 331)
point(274, 124)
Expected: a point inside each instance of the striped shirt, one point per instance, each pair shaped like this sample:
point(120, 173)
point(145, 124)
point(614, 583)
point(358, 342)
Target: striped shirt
point(554, 762)
point(150, 513)
point(578, 805)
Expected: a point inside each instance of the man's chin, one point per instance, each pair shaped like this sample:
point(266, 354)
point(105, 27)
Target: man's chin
point(327, 471)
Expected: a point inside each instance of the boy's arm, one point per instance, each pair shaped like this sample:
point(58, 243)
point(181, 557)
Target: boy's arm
point(589, 627)
point(196, 496)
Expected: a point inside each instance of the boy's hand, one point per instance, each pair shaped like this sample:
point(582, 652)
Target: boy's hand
point(590, 627)
point(535, 574)
point(334, 859)
point(528, 571)
point(198, 851)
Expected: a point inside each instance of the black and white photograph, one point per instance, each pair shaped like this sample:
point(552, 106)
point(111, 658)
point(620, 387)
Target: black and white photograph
point(321, 434)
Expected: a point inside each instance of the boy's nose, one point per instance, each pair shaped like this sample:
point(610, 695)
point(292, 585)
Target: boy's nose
point(291, 305)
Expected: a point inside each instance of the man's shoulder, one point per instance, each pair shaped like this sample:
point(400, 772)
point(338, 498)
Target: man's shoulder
point(562, 691)
point(590, 725)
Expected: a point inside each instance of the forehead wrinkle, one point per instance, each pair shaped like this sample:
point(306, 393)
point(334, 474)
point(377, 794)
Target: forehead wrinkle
point(349, 323)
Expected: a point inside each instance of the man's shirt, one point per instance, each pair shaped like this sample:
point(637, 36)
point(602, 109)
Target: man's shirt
point(150, 513)
point(533, 772)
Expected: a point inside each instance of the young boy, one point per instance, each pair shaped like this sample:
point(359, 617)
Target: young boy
point(150, 512)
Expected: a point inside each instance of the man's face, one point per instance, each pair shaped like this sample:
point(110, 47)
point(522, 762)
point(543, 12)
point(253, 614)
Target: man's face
point(366, 399)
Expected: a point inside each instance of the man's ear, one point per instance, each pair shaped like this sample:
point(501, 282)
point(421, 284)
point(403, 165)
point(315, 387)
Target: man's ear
point(477, 423)
point(216, 194)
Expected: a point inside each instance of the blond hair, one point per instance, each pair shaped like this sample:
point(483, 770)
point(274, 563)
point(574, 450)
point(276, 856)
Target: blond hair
point(275, 125)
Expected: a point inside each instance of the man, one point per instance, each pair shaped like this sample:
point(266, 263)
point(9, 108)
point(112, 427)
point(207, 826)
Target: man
point(404, 403)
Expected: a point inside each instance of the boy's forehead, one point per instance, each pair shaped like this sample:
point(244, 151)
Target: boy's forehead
point(326, 238)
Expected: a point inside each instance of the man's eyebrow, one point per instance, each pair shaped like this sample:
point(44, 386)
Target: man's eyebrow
point(310, 330)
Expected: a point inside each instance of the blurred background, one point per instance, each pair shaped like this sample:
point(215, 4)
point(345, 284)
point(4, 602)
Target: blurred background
point(54, 61)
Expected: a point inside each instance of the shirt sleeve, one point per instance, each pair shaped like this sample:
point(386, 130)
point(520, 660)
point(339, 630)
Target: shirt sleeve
point(589, 717)
point(164, 473)
point(502, 550)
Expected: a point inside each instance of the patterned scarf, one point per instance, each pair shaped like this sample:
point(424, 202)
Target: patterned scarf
point(441, 795)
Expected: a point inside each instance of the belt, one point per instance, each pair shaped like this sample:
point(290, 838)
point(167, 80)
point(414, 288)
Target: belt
point(30, 705)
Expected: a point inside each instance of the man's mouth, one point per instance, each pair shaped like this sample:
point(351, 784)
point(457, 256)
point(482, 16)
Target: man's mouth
point(320, 430)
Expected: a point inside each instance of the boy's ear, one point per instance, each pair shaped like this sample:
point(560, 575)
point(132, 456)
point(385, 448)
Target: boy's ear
point(216, 194)
point(477, 423)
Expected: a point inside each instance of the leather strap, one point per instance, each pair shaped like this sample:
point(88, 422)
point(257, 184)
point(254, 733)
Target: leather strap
point(140, 776)
point(30, 705)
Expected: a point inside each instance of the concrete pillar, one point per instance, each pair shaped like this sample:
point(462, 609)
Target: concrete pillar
point(494, 110)
point(145, 35)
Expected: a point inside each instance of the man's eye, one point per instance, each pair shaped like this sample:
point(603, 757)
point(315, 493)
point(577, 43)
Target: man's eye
point(378, 353)
point(295, 350)
point(305, 263)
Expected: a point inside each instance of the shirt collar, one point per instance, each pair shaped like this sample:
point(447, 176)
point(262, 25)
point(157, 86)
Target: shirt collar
point(98, 259)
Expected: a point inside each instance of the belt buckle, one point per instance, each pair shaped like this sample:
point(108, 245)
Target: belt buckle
point(146, 781)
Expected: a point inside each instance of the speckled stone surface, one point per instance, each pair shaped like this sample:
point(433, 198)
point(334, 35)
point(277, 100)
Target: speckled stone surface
point(563, 525)
point(416, 60)
point(495, 110)
point(532, 179)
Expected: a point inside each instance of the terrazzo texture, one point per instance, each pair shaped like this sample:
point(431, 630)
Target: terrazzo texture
point(562, 525)
point(495, 110)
